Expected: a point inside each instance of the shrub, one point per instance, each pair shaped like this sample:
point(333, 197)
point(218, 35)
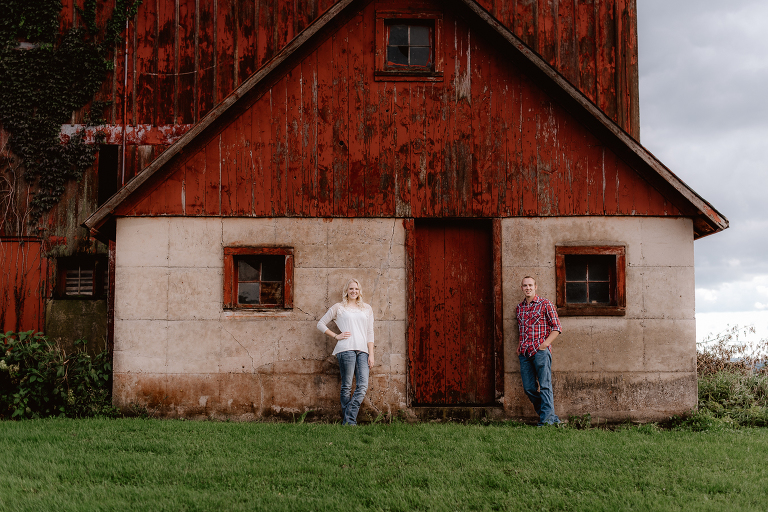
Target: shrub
point(733, 383)
point(39, 379)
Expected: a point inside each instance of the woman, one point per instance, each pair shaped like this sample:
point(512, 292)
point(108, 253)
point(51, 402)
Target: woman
point(354, 346)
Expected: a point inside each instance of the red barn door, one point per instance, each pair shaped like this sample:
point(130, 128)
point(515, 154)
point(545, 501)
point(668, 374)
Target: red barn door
point(451, 351)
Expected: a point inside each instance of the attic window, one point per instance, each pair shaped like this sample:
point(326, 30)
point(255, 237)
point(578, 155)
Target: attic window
point(408, 46)
point(258, 277)
point(591, 280)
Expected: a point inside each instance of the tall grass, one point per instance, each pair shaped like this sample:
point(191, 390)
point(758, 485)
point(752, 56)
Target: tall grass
point(733, 382)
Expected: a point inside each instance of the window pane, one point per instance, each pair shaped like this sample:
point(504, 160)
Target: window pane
point(599, 293)
point(576, 293)
point(273, 268)
point(420, 56)
point(398, 35)
point(248, 293)
point(397, 55)
point(248, 269)
point(272, 293)
point(600, 267)
point(575, 268)
point(419, 36)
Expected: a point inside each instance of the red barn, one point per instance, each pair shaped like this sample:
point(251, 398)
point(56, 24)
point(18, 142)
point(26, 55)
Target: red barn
point(438, 151)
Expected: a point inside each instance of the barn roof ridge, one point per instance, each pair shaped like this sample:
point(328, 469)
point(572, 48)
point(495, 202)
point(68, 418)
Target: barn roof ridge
point(706, 221)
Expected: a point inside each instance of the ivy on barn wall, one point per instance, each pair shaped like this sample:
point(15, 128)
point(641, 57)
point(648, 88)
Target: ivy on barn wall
point(45, 76)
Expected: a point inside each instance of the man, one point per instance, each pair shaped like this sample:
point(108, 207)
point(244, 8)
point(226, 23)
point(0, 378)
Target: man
point(539, 326)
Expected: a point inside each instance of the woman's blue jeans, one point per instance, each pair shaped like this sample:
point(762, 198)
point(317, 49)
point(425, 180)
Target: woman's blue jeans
point(538, 368)
point(352, 363)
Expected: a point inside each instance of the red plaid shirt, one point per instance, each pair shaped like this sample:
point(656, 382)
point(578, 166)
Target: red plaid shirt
point(536, 321)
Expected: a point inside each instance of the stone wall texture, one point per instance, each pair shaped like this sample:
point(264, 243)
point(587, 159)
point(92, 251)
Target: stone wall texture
point(641, 366)
point(180, 354)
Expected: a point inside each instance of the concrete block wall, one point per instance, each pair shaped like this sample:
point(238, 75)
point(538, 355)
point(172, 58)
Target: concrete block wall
point(177, 351)
point(639, 366)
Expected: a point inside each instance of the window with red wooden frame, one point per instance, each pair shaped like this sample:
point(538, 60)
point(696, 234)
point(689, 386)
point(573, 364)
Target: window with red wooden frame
point(408, 45)
point(591, 280)
point(258, 277)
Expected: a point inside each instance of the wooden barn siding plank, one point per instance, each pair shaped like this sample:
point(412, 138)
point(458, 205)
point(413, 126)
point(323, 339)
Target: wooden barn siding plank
point(308, 134)
point(481, 135)
point(206, 58)
point(324, 127)
point(171, 200)
point(457, 341)
point(606, 57)
point(374, 113)
point(226, 34)
point(243, 181)
point(567, 50)
point(166, 63)
point(295, 175)
point(449, 184)
point(258, 156)
point(341, 123)
point(462, 139)
point(417, 156)
point(526, 19)
point(279, 148)
point(547, 37)
point(614, 195)
point(498, 129)
point(246, 40)
point(437, 351)
point(285, 25)
point(585, 36)
point(267, 30)
point(402, 144)
point(146, 51)
point(530, 103)
point(187, 67)
point(213, 176)
point(432, 149)
point(358, 117)
point(194, 179)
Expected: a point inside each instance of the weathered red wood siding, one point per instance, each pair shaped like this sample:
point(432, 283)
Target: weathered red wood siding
point(184, 56)
point(452, 351)
point(23, 272)
point(329, 140)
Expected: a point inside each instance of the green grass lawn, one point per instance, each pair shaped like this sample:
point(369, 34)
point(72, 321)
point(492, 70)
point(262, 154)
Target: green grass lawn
point(136, 464)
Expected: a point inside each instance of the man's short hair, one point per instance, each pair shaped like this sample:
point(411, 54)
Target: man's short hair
point(528, 277)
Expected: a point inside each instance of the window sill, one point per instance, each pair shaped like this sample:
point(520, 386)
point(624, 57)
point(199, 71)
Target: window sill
point(591, 311)
point(234, 314)
point(408, 76)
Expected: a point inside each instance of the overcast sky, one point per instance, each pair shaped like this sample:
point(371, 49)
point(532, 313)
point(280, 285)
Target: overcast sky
point(704, 113)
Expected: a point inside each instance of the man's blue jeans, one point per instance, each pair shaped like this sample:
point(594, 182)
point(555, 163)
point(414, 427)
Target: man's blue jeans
point(538, 367)
point(352, 363)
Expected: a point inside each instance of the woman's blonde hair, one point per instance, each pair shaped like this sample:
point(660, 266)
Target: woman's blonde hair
point(345, 299)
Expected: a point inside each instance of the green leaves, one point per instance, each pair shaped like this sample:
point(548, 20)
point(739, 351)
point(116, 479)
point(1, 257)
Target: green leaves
point(38, 379)
point(42, 86)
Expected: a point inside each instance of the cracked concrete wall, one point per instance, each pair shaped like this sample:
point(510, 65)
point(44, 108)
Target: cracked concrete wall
point(640, 366)
point(179, 353)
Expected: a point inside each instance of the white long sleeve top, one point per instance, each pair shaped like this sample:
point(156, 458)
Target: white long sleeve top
point(358, 322)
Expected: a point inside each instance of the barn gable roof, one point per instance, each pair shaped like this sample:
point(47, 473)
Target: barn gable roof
point(706, 219)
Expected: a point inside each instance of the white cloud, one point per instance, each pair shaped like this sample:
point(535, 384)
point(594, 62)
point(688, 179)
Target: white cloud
point(704, 113)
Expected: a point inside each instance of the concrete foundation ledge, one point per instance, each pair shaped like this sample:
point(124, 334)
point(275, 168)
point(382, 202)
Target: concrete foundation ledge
point(458, 413)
